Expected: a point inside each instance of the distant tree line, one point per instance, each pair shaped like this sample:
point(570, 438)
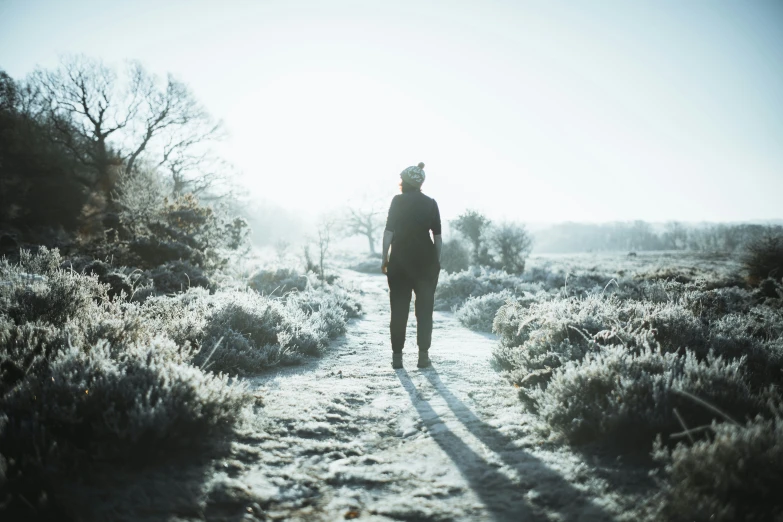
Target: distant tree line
point(643, 236)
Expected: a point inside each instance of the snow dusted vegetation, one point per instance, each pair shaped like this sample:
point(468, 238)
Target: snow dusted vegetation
point(612, 388)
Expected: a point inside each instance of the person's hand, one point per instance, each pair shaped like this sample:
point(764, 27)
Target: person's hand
point(384, 266)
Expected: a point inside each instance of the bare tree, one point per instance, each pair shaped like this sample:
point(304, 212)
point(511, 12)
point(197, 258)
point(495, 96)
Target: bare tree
point(364, 220)
point(325, 230)
point(322, 240)
point(85, 107)
point(107, 121)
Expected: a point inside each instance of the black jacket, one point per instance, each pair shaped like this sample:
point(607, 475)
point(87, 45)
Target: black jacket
point(412, 216)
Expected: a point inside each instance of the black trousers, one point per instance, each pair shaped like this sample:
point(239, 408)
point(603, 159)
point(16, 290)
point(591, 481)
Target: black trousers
point(401, 285)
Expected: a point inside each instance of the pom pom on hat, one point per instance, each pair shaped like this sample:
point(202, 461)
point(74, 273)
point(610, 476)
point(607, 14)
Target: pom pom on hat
point(414, 175)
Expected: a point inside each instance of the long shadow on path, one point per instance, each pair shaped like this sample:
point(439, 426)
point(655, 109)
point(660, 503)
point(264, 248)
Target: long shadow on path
point(495, 489)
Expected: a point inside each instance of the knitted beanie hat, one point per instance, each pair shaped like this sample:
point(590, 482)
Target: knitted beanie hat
point(414, 175)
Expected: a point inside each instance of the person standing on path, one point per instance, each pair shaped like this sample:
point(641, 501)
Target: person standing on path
point(413, 265)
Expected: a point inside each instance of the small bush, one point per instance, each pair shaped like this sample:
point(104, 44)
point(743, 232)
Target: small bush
point(454, 257)
point(455, 289)
point(280, 281)
point(177, 276)
point(478, 313)
point(510, 244)
point(735, 474)
point(38, 290)
point(248, 332)
point(763, 258)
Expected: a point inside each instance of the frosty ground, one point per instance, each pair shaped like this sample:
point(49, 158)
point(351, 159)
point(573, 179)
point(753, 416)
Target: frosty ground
point(347, 437)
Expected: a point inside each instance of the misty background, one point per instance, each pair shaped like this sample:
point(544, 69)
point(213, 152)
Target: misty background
point(604, 113)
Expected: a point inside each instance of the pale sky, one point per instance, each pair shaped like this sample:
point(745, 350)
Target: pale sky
point(536, 111)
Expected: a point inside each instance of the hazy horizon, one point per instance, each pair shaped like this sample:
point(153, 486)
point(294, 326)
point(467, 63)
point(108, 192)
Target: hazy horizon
point(535, 112)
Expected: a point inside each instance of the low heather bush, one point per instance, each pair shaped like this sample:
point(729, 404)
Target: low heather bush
point(85, 379)
point(38, 290)
point(246, 332)
point(478, 313)
point(548, 333)
point(249, 332)
point(280, 281)
point(734, 474)
point(629, 397)
point(454, 289)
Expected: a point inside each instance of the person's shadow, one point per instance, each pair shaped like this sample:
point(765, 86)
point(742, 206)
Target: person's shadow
point(503, 498)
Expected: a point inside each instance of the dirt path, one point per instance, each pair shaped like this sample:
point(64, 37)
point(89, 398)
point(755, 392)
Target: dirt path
point(348, 437)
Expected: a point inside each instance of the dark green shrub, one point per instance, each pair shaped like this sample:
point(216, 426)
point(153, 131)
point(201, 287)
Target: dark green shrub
point(736, 473)
point(510, 244)
point(280, 281)
point(454, 257)
point(763, 257)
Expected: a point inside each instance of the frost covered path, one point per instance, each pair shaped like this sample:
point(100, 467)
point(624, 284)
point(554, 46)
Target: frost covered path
point(347, 437)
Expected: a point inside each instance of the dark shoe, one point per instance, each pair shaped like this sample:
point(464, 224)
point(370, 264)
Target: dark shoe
point(424, 359)
point(396, 361)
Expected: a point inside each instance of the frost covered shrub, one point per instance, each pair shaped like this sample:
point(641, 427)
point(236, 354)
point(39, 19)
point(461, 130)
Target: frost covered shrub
point(181, 317)
point(734, 474)
point(757, 336)
point(454, 257)
point(547, 333)
point(455, 289)
point(85, 379)
point(108, 398)
point(478, 313)
point(248, 332)
point(280, 281)
point(117, 281)
point(38, 290)
point(536, 337)
point(328, 296)
point(104, 404)
point(630, 397)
